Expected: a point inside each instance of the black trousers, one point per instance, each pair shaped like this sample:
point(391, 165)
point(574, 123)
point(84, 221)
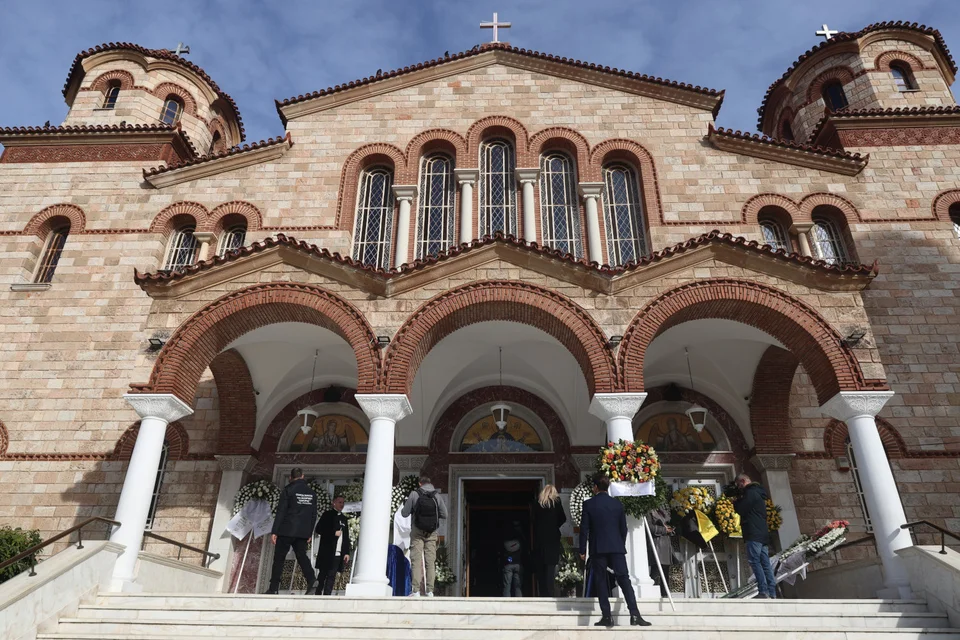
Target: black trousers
point(617, 562)
point(327, 575)
point(547, 580)
point(280, 554)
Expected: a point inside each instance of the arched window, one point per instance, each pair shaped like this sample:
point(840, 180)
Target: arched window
point(157, 486)
point(559, 208)
point(833, 96)
point(172, 110)
point(954, 211)
point(623, 215)
point(774, 234)
point(232, 239)
point(183, 248)
point(217, 145)
point(903, 76)
point(435, 217)
point(52, 249)
point(828, 244)
point(373, 232)
point(498, 188)
point(786, 131)
point(110, 97)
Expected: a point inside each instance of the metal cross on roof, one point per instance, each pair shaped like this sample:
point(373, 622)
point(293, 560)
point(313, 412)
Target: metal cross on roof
point(181, 49)
point(826, 32)
point(495, 25)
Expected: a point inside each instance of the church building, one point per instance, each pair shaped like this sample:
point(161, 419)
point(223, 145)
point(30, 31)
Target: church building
point(577, 247)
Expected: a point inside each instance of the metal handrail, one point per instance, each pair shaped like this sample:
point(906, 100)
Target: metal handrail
point(32, 551)
point(867, 538)
point(943, 532)
point(207, 556)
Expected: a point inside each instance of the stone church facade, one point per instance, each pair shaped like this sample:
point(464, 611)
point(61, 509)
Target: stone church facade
point(496, 226)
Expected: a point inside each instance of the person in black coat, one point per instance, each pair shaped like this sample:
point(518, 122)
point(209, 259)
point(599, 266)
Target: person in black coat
point(752, 507)
point(292, 527)
point(548, 517)
point(604, 525)
point(333, 549)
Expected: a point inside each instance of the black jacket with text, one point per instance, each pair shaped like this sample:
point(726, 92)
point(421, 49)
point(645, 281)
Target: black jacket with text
point(297, 511)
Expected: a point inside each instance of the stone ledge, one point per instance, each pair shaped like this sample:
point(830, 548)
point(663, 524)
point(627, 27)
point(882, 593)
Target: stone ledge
point(30, 286)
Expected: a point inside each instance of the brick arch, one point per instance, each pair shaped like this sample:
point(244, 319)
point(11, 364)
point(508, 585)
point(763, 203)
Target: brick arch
point(215, 126)
point(237, 402)
point(751, 208)
point(842, 73)
point(786, 116)
point(206, 333)
point(237, 207)
point(441, 438)
point(104, 79)
point(882, 61)
point(507, 300)
point(814, 200)
point(430, 141)
point(637, 155)
point(39, 224)
point(770, 401)
point(943, 201)
point(165, 89)
point(4, 439)
point(835, 436)
point(566, 140)
point(356, 162)
point(830, 364)
point(161, 223)
point(485, 126)
point(176, 438)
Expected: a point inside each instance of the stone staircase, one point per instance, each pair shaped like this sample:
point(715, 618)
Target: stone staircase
point(156, 616)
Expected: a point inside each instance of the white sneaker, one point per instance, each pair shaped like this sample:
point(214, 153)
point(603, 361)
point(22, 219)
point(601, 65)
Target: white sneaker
point(429, 594)
point(415, 594)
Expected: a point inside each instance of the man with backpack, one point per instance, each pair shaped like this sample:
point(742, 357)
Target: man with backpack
point(427, 509)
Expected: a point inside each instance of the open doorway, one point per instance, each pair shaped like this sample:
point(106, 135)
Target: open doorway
point(492, 507)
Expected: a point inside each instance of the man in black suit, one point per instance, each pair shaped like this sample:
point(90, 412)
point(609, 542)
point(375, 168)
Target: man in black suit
point(292, 527)
point(604, 524)
point(333, 550)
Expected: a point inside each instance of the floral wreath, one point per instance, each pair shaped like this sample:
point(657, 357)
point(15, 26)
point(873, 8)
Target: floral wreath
point(693, 497)
point(726, 517)
point(628, 462)
point(257, 490)
point(324, 502)
point(401, 492)
point(774, 517)
point(579, 495)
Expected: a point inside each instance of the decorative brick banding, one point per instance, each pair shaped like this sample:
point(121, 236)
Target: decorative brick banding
point(830, 364)
point(176, 438)
point(366, 156)
point(237, 403)
point(619, 150)
point(493, 300)
point(40, 223)
point(238, 207)
point(882, 62)
point(770, 401)
point(161, 223)
point(814, 200)
point(165, 89)
point(125, 78)
point(433, 141)
point(941, 204)
point(204, 335)
point(563, 139)
point(496, 127)
point(836, 434)
point(751, 209)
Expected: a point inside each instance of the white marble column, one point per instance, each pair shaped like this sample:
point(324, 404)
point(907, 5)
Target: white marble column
point(617, 411)
point(528, 178)
point(404, 195)
point(590, 192)
point(803, 237)
point(384, 411)
point(776, 478)
point(206, 239)
point(156, 411)
point(232, 470)
point(466, 178)
point(858, 409)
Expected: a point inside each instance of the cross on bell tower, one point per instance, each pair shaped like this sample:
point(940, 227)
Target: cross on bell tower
point(495, 25)
point(826, 32)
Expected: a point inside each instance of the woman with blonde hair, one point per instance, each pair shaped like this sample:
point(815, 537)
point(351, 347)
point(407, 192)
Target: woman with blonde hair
point(548, 517)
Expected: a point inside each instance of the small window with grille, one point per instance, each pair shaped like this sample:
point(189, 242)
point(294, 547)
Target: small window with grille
point(183, 249)
point(774, 234)
point(157, 486)
point(834, 96)
point(172, 110)
point(110, 97)
point(903, 77)
point(828, 242)
point(232, 239)
point(52, 250)
point(955, 217)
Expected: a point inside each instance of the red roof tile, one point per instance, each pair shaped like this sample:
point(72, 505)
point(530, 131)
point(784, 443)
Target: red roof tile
point(714, 237)
point(847, 37)
point(787, 144)
point(850, 114)
point(77, 69)
point(500, 46)
point(121, 128)
point(233, 151)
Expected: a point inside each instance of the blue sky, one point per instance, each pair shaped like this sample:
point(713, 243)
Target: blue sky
point(261, 51)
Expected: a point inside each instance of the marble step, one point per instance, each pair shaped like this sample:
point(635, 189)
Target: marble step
point(731, 619)
point(518, 606)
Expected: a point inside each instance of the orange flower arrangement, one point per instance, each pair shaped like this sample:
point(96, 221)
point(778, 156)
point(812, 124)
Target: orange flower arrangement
point(629, 462)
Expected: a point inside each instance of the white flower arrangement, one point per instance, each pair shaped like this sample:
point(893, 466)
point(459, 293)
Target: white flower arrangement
point(442, 571)
point(826, 542)
point(401, 492)
point(353, 492)
point(578, 496)
point(353, 525)
point(324, 502)
point(257, 490)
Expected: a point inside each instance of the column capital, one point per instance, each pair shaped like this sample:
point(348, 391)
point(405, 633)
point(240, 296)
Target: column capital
point(468, 176)
point(411, 463)
point(164, 406)
point(205, 236)
point(771, 462)
point(404, 191)
point(586, 462)
point(590, 189)
point(801, 227)
point(527, 175)
point(607, 406)
point(236, 463)
point(852, 404)
point(394, 406)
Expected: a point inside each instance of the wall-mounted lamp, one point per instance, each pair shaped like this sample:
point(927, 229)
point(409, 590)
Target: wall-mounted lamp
point(381, 341)
point(156, 343)
point(614, 341)
point(854, 338)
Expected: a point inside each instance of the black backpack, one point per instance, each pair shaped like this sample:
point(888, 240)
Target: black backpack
point(426, 513)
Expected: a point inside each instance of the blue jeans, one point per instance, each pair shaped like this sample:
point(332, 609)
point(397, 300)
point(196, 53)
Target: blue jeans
point(757, 556)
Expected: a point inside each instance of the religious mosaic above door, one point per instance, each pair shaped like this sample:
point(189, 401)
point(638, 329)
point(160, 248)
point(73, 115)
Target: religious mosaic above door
point(673, 432)
point(331, 434)
point(483, 436)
